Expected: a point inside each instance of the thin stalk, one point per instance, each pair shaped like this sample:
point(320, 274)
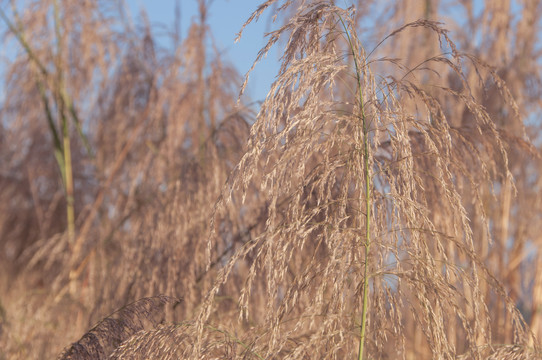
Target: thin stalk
point(61, 97)
point(17, 31)
point(70, 208)
point(19, 35)
point(201, 78)
point(368, 200)
point(59, 153)
point(62, 149)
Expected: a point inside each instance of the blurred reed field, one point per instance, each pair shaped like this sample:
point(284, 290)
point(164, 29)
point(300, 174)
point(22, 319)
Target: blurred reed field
point(383, 202)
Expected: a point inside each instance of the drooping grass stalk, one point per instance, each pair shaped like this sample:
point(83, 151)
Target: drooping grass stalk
point(62, 146)
point(19, 35)
point(61, 94)
point(367, 194)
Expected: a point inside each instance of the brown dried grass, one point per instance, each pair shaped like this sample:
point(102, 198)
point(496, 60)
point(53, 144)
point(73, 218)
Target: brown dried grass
point(453, 179)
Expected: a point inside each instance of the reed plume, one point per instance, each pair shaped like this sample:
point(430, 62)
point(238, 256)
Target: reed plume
point(382, 202)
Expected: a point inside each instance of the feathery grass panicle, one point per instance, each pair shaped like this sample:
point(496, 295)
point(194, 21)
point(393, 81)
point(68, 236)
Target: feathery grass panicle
point(108, 334)
point(306, 151)
point(144, 194)
point(388, 166)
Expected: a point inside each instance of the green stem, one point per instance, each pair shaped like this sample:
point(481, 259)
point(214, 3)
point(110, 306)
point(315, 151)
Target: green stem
point(70, 207)
point(19, 35)
point(367, 175)
point(367, 225)
point(62, 149)
point(367, 237)
point(63, 105)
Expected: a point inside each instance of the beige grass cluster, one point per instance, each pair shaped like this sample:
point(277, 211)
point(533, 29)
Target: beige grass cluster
point(386, 193)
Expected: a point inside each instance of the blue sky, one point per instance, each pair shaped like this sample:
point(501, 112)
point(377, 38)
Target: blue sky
point(225, 19)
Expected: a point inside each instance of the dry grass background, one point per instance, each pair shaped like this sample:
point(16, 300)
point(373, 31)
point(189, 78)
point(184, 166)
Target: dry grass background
point(204, 230)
